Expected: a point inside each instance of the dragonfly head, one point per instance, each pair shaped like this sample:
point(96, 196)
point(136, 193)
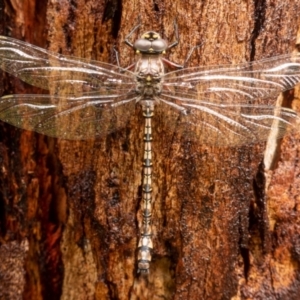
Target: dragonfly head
point(150, 43)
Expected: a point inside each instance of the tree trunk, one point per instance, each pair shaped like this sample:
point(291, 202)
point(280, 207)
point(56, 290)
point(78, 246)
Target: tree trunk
point(224, 227)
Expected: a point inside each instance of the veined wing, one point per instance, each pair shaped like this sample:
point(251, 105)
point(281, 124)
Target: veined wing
point(48, 70)
point(237, 84)
point(227, 124)
point(74, 118)
point(222, 105)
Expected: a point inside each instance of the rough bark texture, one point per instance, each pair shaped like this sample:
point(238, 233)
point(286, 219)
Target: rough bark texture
point(69, 211)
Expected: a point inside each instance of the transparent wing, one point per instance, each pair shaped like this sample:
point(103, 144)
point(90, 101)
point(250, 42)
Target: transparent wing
point(74, 118)
point(222, 124)
point(89, 99)
point(237, 84)
point(48, 70)
point(229, 106)
point(218, 105)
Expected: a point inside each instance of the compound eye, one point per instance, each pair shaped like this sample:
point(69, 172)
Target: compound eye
point(159, 45)
point(142, 45)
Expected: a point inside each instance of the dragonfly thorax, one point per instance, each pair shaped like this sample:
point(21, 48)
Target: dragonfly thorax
point(149, 71)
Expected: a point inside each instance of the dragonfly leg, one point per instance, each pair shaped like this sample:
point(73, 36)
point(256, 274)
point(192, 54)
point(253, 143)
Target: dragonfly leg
point(117, 58)
point(173, 65)
point(190, 54)
point(122, 70)
point(175, 43)
point(127, 41)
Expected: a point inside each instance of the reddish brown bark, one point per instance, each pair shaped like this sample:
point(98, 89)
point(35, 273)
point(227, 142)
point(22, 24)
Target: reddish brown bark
point(223, 228)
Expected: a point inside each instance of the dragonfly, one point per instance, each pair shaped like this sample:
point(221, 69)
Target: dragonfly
point(214, 105)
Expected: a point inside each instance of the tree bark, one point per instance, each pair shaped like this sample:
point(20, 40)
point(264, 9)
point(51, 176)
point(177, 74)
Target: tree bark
point(224, 226)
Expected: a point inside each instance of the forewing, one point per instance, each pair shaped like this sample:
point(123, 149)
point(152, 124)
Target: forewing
point(241, 83)
point(69, 75)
